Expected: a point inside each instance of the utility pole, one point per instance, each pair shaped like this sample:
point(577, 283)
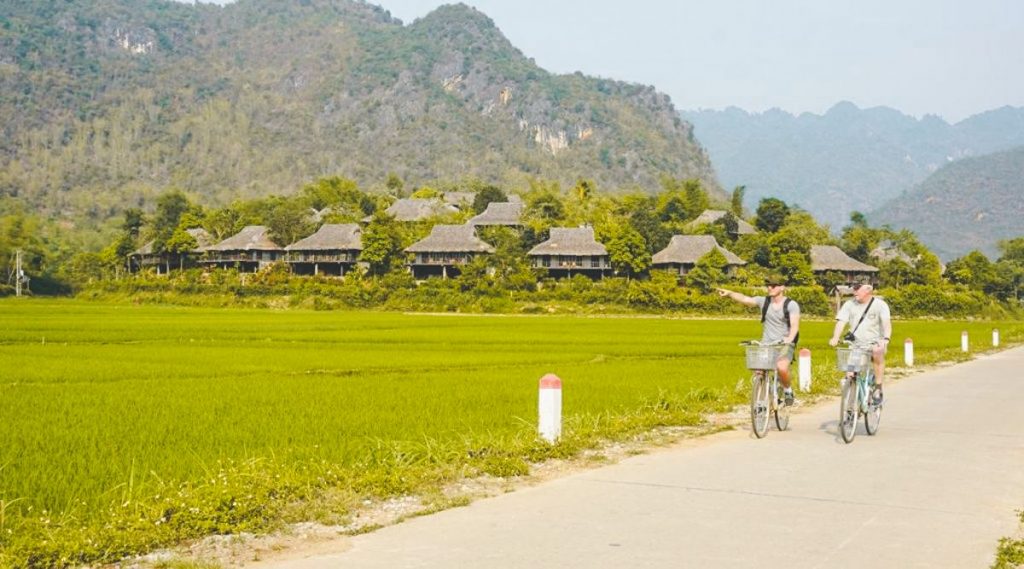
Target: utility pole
point(18, 273)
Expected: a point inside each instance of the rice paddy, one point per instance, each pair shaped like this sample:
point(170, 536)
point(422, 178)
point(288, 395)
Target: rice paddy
point(126, 427)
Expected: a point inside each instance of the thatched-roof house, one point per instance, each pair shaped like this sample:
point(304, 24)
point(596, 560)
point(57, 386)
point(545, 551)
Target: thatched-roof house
point(250, 250)
point(146, 256)
point(499, 213)
point(334, 249)
point(459, 199)
point(418, 209)
point(889, 251)
point(829, 258)
point(709, 216)
point(683, 252)
point(571, 251)
point(444, 250)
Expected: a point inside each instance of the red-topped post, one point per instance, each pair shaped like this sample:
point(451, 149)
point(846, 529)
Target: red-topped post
point(805, 370)
point(550, 408)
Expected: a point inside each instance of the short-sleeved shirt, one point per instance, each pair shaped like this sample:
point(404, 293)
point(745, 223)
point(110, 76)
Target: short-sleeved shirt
point(870, 330)
point(776, 327)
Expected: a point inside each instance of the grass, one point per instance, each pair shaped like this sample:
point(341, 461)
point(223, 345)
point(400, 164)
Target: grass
point(130, 427)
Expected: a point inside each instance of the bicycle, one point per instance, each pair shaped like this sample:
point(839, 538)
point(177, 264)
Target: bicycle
point(857, 384)
point(765, 395)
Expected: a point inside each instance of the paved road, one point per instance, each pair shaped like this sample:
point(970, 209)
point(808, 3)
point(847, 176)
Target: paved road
point(937, 487)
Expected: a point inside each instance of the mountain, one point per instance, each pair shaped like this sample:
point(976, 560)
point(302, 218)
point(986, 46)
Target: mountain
point(104, 103)
point(966, 205)
point(848, 159)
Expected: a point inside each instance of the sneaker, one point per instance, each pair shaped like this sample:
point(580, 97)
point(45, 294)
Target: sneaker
point(877, 397)
point(788, 398)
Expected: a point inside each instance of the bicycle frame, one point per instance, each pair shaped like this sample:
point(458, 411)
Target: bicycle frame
point(765, 394)
point(856, 393)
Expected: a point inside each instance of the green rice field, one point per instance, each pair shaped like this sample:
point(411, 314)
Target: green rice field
point(127, 427)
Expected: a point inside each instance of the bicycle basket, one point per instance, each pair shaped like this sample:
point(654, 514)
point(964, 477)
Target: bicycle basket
point(762, 357)
point(852, 359)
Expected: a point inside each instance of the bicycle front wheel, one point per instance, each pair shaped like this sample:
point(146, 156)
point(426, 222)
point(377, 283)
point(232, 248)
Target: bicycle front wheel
point(759, 405)
point(781, 409)
point(848, 410)
point(873, 414)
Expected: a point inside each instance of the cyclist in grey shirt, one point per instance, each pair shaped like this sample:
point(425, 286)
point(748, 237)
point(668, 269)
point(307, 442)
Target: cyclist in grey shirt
point(776, 327)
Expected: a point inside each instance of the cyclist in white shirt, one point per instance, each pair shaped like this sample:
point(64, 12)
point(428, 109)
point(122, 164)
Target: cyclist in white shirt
point(870, 327)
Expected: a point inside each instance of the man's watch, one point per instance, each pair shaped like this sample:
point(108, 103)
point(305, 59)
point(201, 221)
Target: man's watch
point(886, 339)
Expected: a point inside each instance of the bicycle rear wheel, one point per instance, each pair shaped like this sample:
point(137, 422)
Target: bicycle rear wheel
point(759, 405)
point(781, 409)
point(873, 414)
point(848, 410)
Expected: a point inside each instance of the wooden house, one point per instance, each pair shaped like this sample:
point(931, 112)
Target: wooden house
point(249, 250)
point(829, 258)
point(683, 252)
point(571, 251)
point(146, 257)
point(447, 248)
point(709, 216)
point(418, 209)
point(334, 250)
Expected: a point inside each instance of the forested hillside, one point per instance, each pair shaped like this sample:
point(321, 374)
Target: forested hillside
point(848, 159)
point(104, 104)
point(969, 204)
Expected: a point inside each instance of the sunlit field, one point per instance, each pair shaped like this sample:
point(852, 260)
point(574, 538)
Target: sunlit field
point(127, 427)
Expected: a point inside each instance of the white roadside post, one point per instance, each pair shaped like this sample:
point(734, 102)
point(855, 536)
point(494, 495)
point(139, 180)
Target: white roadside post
point(908, 352)
point(995, 337)
point(805, 370)
point(963, 341)
point(550, 408)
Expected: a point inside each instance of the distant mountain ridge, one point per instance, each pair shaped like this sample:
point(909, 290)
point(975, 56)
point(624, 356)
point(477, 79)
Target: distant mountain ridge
point(848, 159)
point(969, 204)
point(102, 103)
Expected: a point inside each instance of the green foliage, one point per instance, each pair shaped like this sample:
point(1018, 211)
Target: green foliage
point(382, 244)
point(486, 195)
point(628, 252)
point(736, 201)
point(771, 214)
point(287, 221)
point(709, 271)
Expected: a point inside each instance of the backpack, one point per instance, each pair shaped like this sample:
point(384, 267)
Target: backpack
point(785, 314)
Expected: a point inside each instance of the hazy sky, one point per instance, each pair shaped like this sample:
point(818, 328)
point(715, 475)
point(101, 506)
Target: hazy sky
point(953, 58)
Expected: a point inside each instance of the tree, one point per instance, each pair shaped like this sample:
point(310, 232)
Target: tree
point(859, 240)
point(642, 216)
point(288, 221)
point(382, 244)
point(976, 271)
point(426, 192)
point(133, 222)
point(179, 244)
point(340, 194)
point(583, 190)
point(796, 268)
point(696, 198)
point(628, 252)
point(771, 214)
point(395, 185)
point(709, 271)
point(546, 206)
point(169, 208)
point(486, 196)
point(736, 203)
